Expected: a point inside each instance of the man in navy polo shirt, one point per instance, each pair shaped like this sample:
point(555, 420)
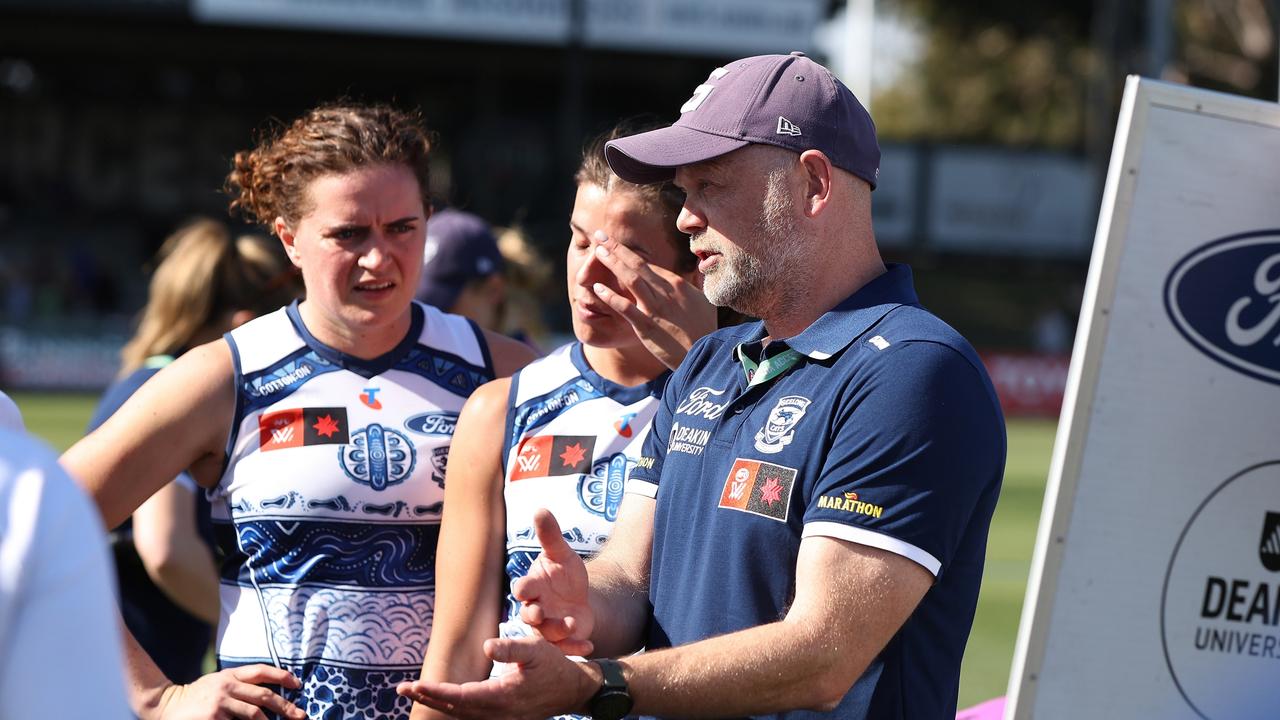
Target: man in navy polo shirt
point(805, 534)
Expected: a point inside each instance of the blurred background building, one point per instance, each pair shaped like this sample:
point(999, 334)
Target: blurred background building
point(118, 119)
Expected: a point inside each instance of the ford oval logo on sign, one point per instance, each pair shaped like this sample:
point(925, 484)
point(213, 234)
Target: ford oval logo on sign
point(1224, 298)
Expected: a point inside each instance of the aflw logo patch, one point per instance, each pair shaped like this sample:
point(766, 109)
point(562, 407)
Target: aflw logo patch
point(548, 455)
point(759, 488)
point(297, 427)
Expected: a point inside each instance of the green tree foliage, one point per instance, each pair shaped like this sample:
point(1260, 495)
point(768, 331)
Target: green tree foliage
point(999, 71)
point(1049, 74)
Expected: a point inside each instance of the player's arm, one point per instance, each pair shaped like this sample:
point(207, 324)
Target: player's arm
point(508, 355)
point(471, 553)
point(176, 558)
point(178, 420)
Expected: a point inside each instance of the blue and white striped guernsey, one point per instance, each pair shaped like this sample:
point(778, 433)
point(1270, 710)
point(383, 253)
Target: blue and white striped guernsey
point(329, 508)
point(572, 439)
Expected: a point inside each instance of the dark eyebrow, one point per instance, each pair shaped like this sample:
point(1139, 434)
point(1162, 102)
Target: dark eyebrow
point(406, 219)
point(345, 226)
point(577, 228)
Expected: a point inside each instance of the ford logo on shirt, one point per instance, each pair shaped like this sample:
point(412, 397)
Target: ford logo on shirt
point(433, 423)
point(1224, 298)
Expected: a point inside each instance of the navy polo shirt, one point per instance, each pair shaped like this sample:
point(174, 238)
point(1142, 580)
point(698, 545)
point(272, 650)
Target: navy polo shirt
point(887, 433)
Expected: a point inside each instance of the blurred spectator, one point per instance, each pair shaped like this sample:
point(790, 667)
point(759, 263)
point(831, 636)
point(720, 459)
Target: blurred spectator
point(205, 283)
point(1050, 333)
point(528, 285)
point(462, 268)
point(55, 596)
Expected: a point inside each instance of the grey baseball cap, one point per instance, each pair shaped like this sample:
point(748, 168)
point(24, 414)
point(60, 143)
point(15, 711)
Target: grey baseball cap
point(460, 248)
point(785, 100)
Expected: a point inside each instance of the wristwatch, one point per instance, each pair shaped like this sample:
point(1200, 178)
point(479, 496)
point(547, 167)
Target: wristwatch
point(612, 701)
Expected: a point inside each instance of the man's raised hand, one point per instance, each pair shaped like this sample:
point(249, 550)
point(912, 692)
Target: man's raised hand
point(554, 593)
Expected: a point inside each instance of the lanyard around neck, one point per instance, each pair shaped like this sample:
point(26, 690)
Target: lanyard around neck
point(768, 368)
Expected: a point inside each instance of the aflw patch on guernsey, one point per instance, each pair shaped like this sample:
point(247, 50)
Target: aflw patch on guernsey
point(759, 488)
point(296, 427)
point(554, 455)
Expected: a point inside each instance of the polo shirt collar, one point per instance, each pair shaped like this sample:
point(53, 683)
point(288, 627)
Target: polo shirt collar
point(847, 321)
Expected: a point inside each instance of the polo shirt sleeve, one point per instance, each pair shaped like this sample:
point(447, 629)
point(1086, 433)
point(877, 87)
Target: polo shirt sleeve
point(915, 444)
point(644, 476)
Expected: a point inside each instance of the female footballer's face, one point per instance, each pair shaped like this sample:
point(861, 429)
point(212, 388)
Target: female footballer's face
point(627, 218)
point(360, 251)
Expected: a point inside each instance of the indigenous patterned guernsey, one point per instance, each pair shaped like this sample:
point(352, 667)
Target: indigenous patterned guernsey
point(572, 439)
point(329, 509)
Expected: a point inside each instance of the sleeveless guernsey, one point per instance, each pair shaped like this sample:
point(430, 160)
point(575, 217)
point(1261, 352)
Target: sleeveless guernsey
point(572, 438)
point(329, 508)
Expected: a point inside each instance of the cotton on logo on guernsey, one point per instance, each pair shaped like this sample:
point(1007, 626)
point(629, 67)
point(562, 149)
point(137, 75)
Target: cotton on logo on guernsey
point(1224, 298)
point(697, 404)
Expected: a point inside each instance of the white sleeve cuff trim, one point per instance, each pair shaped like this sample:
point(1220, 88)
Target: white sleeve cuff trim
point(862, 536)
point(642, 487)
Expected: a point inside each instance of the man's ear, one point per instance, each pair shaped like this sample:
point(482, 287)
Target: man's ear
point(818, 175)
point(286, 238)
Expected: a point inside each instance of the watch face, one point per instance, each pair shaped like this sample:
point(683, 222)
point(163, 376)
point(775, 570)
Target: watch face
point(611, 705)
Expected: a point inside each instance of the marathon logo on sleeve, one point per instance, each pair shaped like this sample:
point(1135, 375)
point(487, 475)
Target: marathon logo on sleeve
point(547, 455)
point(759, 488)
point(299, 427)
point(849, 502)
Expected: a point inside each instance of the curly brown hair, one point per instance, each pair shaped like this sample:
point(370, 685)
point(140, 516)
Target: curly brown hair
point(271, 180)
point(663, 198)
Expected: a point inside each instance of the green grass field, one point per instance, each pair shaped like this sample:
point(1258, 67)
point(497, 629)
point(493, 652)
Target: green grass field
point(60, 419)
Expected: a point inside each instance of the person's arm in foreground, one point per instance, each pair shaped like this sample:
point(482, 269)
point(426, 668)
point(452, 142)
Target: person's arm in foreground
point(176, 558)
point(471, 553)
point(178, 420)
point(810, 658)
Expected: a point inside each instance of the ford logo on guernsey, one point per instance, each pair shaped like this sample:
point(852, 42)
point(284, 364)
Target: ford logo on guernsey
point(1224, 298)
point(440, 424)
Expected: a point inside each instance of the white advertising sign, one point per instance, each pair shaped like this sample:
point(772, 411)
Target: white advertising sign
point(1155, 588)
point(708, 27)
point(1021, 203)
point(534, 21)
